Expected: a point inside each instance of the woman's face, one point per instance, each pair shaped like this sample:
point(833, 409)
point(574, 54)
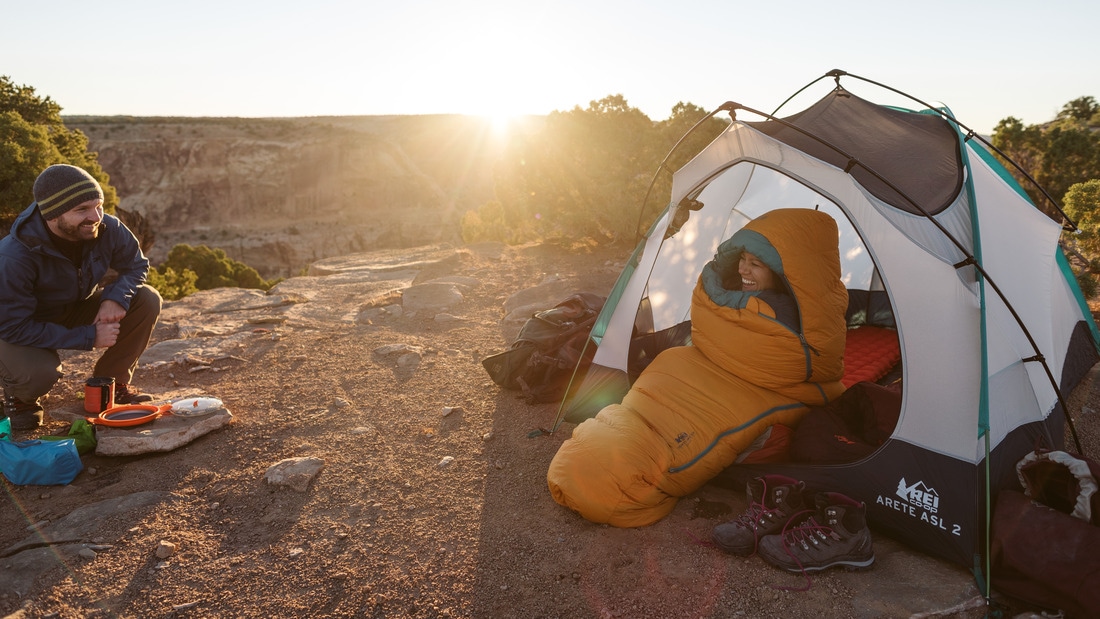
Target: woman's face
point(755, 275)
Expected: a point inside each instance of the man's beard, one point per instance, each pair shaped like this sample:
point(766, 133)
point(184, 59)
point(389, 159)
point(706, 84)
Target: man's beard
point(76, 232)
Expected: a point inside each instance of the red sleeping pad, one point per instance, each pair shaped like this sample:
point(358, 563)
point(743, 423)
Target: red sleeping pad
point(869, 354)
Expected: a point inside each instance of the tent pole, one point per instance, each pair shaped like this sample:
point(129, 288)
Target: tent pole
point(988, 588)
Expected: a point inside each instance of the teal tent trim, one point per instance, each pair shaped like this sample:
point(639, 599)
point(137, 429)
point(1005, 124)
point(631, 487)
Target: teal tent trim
point(599, 328)
point(1071, 279)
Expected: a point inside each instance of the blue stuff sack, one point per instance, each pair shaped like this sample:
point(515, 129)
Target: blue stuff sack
point(40, 463)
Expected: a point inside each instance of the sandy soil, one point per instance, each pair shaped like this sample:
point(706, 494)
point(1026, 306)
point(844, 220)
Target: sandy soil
point(385, 530)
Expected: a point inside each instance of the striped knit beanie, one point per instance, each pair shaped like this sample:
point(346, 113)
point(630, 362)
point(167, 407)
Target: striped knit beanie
point(61, 187)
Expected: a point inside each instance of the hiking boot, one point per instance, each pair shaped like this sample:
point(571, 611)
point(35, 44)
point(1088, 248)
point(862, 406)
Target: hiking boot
point(773, 499)
point(23, 415)
point(128, 394)
point(836, 534)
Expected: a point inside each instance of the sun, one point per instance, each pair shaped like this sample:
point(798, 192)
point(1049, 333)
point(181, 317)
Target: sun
point(500, 122)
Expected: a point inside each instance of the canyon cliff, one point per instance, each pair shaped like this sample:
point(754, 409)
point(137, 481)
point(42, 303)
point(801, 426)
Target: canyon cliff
point(280, 193)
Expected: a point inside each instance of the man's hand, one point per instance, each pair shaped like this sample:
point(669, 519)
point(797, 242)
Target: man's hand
point(107, 323)
point(109, 311)
point(106, 334)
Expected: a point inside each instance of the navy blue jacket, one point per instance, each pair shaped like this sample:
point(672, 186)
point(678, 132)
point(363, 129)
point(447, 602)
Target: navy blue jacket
point(39, 285)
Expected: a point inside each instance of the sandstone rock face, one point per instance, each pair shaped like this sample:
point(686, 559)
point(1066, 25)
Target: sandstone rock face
point(280, 194)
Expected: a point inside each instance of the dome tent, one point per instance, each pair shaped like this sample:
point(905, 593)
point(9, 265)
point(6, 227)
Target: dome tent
point(949, 251)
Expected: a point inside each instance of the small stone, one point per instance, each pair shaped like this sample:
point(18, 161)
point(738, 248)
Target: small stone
point(91, 470)
point(296, 473)
point(165, 549)
point(296, 552)
point(446, 461)
point(447, 410)
point(87, 553)
point(391, 349)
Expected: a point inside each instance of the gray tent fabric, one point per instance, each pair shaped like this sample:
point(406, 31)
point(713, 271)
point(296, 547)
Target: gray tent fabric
point(917, 153)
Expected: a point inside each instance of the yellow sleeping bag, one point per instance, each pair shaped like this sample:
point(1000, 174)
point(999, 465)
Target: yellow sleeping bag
point(695, 408)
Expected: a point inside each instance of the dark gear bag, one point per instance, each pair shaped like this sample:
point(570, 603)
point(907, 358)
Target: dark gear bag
point(850, 427)
point(550, 345)
point(1064, 481)
point(1045, 542)
point(1045, 557)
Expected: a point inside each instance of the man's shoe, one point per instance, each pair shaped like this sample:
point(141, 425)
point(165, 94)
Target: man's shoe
point(773, 500)
point(128, 394)
point(836, 534)
point(23, 415)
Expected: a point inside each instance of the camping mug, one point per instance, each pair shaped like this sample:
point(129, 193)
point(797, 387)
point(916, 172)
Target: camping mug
point(99, 394)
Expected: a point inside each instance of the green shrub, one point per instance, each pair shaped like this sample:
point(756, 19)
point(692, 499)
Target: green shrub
point(213, 268)
point(488, 223)
point(171, 284)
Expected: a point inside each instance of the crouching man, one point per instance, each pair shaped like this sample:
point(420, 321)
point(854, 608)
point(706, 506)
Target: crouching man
point(51, 263)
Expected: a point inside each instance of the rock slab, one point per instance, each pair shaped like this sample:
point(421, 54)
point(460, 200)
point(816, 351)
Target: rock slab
point(166, 433)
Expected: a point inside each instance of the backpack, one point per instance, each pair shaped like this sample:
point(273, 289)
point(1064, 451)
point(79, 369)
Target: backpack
point(550, 345)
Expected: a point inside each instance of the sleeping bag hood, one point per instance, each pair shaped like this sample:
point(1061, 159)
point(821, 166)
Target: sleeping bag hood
point(800, 247)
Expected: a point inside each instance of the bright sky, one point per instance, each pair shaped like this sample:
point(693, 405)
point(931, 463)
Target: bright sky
point(985, 59)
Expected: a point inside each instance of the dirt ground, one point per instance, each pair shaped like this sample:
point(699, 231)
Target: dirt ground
point(386, 529)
